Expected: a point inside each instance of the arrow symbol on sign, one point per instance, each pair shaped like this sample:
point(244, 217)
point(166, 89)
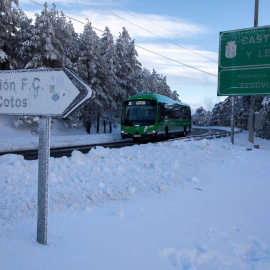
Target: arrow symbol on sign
point(42, 92)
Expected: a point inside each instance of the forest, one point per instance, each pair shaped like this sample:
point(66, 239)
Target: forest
point(107, 64)
point(221, 114)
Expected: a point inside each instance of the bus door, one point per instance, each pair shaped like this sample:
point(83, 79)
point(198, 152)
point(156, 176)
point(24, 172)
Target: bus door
point(162, 118)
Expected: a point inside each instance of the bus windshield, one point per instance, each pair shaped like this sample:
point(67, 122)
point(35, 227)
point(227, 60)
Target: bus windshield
point(139, 112)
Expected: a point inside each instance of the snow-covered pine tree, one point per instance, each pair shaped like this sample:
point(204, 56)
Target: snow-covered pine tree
point(119, 60)
point(65, 33)
point(93, 68)
point(126, 64)
point(113, 70)
point(221, 114)
point(24, 33)
point(135, 68)
point(8, 30)
point(175, 95)
point(107, 48)
point(14, 25)
point(201, 117)
point(154, 82)
point(158, 84)
point(145, 84)
point(217, 115)
point(242, 110)
point(46, 49)
point(85, 67)
point(163, 87)
point(264, 131)
point(111, 82)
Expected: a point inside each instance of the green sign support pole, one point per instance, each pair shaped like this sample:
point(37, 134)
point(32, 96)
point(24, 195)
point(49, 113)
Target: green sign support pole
point(232, 120)
point(252, 98)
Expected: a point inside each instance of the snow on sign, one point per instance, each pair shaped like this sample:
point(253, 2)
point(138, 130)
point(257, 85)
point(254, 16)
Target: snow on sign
point(244, 62)
point(45, 93)
point(42, 92)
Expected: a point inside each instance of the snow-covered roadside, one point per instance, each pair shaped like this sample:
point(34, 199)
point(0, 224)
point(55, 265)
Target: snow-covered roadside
point(173, 205)
point(20, 138)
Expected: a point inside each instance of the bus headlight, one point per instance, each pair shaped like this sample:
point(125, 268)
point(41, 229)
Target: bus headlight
point(123, 132)
point(152, 132)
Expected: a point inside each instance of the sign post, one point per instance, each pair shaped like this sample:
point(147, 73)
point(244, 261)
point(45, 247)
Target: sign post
point(244, 66)
point(232, 120)
point(45, 93)
point(43, 178)
point(252, 98)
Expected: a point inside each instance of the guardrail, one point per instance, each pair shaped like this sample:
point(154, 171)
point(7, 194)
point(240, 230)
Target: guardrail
point(207, 136)
point(66, 151)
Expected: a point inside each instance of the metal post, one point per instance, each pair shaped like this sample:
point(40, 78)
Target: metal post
point(251, 120)
point(232, 120)
point(256, 13)
point(252, 98)
point(43, 175)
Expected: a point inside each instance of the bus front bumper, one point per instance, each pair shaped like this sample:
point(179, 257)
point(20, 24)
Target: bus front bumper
point(148, 135)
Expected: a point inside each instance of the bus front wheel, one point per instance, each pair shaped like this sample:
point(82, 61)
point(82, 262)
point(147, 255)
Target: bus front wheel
point(166, 137)
point(185, 132)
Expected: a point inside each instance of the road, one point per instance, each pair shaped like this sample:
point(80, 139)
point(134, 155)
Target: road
point(196, 133)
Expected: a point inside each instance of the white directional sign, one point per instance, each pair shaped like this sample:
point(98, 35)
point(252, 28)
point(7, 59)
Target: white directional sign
point(41, 92)
point(45, 93)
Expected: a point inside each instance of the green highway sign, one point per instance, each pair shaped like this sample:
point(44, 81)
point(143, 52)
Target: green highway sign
point(244, 62)
point(245, 81)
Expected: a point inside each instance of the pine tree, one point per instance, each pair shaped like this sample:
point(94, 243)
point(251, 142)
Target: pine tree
point(144, 82)
point(23, 36)
point(201, 117)
point(154, 82)
point(134, 67)
point(46, 49)
point(163, 88)
point(110, 68)
point(85, 67)
point(264, 131)
point(107, 48)
point(65, 33)
point(93, 68)
point(175, 96)
point(221, 114)
point(127, 67)
point(8, 32)
point(111, 82)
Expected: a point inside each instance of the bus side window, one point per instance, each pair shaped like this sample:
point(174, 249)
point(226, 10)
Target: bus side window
point(176, 111)
point(186, 113)
point(161, 111)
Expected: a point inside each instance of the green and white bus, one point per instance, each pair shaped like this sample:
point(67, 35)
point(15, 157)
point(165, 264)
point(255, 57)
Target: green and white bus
point(154, 116)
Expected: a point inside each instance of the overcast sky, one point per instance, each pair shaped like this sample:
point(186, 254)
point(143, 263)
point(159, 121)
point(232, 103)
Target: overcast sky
point(186, 31)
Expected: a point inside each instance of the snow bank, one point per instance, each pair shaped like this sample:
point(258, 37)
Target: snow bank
point(172, 205)
point(105, 174)
point(20, 138)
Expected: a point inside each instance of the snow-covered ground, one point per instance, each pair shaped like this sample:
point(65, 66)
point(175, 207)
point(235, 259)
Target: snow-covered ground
point(172, 205)
point(21, 138)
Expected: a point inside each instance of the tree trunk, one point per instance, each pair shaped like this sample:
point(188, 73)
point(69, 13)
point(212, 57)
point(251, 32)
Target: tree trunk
point(110, 127)
point(104, 124)
point(88, 128)
point(98, 118)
